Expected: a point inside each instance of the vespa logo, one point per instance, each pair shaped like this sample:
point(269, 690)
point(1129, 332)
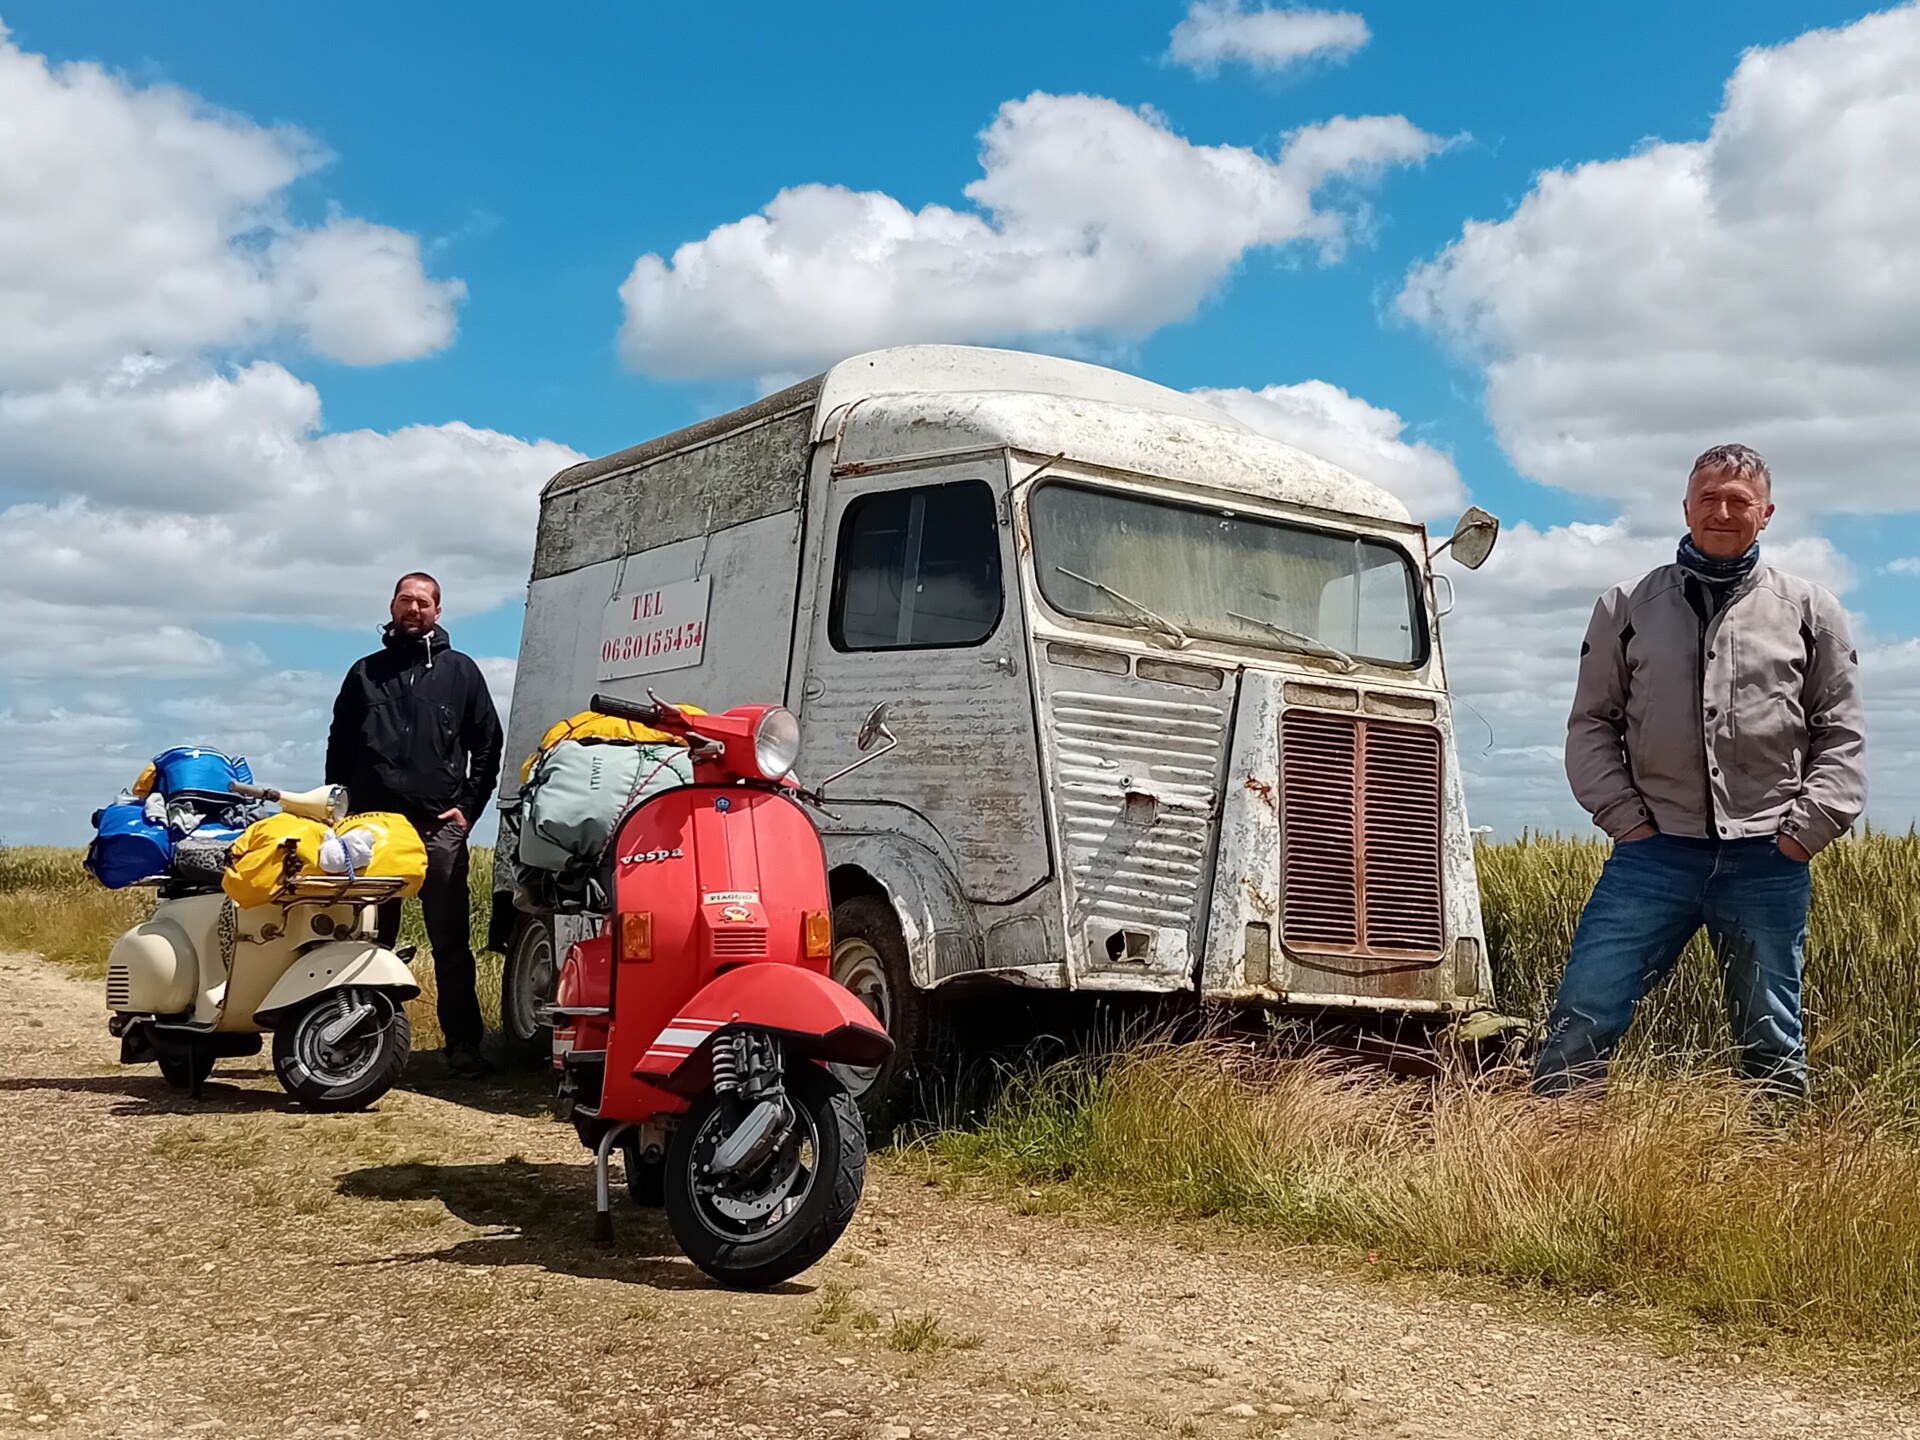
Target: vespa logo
point(652, 857)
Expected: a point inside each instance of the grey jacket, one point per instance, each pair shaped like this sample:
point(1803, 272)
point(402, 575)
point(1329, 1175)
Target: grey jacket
point(1745, 724)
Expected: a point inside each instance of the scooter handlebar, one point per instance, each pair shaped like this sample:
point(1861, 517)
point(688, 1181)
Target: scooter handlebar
point(626, 710)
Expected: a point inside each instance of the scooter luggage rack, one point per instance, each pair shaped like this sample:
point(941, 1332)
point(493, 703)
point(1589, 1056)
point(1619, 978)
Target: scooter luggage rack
point(359, 889)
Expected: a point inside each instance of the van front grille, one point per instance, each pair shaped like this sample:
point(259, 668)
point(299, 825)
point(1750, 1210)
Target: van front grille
point(1360, 855)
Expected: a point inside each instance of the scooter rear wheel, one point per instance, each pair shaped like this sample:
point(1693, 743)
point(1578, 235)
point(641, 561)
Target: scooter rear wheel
point(353, 1070)
point(184, 1068)
point(751, 1234)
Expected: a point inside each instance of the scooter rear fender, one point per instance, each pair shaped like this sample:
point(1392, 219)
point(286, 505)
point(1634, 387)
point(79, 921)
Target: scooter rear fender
point(329, 967)
point(814, 1018)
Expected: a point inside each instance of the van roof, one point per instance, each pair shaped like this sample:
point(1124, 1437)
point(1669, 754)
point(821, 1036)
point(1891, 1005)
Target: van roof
point(924, 399)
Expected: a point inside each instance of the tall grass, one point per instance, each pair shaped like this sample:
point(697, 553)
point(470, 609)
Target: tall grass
point(50, 905)
point(1862, 991)
point(1675, 1193)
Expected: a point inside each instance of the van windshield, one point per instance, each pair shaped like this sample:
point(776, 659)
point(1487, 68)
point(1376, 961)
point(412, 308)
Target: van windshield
point(1186, 570)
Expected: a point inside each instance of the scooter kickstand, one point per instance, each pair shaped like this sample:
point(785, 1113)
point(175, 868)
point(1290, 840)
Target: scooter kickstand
point(602, 1213)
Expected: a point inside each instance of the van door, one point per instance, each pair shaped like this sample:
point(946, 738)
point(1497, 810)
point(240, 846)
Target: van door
point(918, 605)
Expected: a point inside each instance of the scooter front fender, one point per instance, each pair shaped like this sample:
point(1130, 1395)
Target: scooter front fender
point(331, 966)
point(814, 1018)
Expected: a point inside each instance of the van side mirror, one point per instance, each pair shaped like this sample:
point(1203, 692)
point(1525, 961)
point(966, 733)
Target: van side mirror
point(1472, 539)
point(874, 730)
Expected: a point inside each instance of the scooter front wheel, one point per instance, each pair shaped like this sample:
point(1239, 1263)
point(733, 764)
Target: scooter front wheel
point(756, 1230)
point(343, 1049)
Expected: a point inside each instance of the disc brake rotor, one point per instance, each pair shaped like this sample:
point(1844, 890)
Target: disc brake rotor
point(781, 1183)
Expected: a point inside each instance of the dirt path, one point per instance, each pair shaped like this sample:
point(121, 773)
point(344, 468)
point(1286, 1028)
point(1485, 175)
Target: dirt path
point(238, 1268)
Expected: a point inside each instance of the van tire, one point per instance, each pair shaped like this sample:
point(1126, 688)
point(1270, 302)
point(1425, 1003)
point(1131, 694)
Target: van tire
point(870, 958)
point(531, 952)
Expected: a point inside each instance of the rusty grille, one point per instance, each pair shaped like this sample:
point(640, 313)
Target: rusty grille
point(1360, 869)
point(740, 942)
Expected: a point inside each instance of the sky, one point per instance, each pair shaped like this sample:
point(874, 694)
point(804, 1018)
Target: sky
point(296, 298)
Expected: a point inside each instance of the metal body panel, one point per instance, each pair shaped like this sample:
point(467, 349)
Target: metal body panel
point(968, 757)
point(331, 966)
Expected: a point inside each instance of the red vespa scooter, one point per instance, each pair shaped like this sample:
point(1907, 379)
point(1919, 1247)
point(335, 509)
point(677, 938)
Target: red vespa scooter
point(695, 1029)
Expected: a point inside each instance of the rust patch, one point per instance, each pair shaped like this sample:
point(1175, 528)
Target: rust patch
point(1264, 791)
point(1262, 901)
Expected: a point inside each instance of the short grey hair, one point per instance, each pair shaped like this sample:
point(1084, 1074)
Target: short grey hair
point(1740, 460)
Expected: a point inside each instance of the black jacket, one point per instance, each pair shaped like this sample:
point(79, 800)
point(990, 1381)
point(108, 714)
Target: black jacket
point(414, 730)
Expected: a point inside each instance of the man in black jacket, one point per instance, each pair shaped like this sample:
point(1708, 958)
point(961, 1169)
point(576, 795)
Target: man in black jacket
point(414, 731)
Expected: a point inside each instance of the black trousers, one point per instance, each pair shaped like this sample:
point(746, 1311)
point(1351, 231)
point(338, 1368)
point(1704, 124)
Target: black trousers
point(444, 905)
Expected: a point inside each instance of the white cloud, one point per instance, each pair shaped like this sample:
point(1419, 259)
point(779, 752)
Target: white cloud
point(1217, 32)
point(1325, 420)
point(1905, 565)
point(162, 491)
point(141, 219)
point(266, 519)
point(1759, 285)
point(1089, 219)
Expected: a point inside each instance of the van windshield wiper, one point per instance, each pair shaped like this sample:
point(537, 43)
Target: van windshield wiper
point(1180, 637)
point(1298, 640)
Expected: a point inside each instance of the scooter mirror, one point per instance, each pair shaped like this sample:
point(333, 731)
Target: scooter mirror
point(875, 729)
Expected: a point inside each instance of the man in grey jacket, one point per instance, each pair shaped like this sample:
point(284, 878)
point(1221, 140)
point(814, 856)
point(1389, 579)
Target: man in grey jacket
point(1716, 736)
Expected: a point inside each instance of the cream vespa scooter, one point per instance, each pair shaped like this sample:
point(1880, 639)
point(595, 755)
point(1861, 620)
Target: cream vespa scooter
point(202, 977)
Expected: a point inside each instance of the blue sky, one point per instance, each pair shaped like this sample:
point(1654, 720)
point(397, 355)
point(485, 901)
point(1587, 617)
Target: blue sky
point(536, 154)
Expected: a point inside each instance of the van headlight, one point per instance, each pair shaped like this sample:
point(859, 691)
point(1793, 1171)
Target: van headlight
point(776, 743)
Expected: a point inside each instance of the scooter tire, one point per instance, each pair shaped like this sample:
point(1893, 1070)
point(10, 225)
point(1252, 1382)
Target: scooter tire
point(840, 1162)
point(184, 1069)
point(316, 1092)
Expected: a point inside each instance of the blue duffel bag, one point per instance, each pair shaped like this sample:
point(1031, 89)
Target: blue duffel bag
point(197, 772)
point(127, 847)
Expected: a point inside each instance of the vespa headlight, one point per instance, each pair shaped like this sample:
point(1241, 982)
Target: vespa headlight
point(776, 743)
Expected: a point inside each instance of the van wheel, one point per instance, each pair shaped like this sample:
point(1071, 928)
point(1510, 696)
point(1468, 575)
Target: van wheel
point(527, 979)
point(870, 959)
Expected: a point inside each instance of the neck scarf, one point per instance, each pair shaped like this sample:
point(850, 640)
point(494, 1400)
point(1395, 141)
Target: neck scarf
point(1715, 571)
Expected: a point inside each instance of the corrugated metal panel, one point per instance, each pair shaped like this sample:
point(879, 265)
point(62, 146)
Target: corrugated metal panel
point(1144, 866)
point(1360, 862)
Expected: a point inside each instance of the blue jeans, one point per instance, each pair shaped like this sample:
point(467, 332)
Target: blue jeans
point(1652, 896)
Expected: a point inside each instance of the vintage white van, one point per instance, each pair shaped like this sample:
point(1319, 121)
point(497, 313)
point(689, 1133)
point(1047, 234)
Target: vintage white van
point(1170, 697)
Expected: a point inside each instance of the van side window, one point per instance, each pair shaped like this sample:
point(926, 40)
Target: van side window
point(917, 569)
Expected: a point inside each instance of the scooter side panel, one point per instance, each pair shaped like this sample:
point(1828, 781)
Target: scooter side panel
point(333, 965)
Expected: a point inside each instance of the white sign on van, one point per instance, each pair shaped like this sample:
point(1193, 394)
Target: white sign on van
point(663, 627)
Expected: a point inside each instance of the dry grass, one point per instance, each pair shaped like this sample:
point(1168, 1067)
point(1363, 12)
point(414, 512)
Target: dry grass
point(50, 905)
point(1677, 1194)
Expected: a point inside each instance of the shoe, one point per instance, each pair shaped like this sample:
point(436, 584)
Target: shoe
point(465, 1062)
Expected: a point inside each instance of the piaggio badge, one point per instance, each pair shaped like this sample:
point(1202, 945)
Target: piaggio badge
point(736, 915)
